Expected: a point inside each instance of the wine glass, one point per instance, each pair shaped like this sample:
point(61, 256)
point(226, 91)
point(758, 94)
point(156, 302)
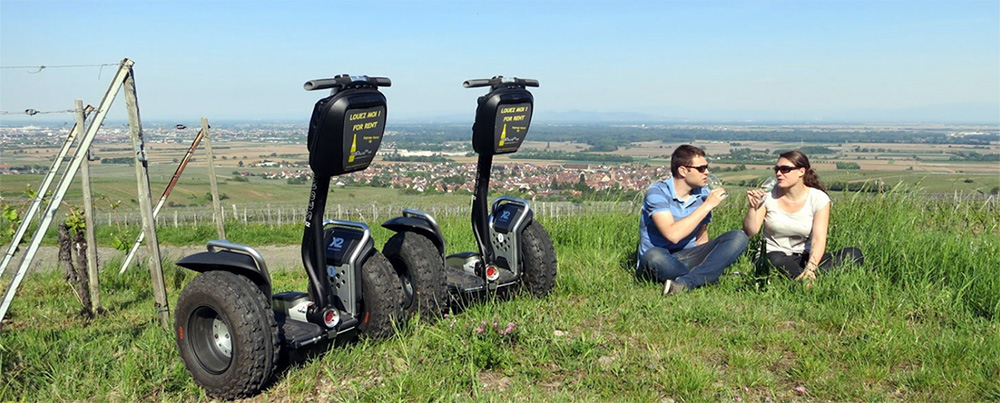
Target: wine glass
point(767, 185)
point(714, 183)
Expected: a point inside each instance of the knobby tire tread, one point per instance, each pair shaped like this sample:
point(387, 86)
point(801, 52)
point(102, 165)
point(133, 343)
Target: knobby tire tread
point(239, 303)
point(381, 294)
point(416, 254)
point(538, 258)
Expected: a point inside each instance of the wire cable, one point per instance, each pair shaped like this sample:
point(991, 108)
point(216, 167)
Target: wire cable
point(43, 67)
point(33, 112)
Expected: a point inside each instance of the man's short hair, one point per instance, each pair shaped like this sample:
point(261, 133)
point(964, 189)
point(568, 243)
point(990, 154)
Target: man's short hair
point(683, 156)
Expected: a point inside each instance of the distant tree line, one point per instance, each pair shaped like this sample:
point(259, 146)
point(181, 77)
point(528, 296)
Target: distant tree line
point(974, 156)
point(571, 156)
point(122, 160)
point(416, 158)
point(810, 150)
point(737, 168)
point(744, 156)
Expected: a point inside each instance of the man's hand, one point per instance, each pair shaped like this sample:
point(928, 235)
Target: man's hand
point(715, 197)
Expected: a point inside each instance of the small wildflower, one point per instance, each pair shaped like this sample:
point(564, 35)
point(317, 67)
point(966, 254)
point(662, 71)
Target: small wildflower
point(801, 390)
point(480, 330)
point(738, 399)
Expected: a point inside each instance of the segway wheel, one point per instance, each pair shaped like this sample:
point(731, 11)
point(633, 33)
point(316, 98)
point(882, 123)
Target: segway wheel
point(421, 272)
point(381, 293)
point(538, 258)
point(226, 335)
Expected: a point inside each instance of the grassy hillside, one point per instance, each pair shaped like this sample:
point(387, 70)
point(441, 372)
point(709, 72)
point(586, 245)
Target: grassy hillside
point(918, 322)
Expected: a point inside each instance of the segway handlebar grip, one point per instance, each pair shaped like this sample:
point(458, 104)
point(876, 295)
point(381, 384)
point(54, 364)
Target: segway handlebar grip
point(528, 82)
point(380, 81)
point(322, 84)
point(480, 82)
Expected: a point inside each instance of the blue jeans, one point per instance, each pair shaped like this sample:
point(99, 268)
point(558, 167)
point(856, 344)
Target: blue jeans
point(693, 267)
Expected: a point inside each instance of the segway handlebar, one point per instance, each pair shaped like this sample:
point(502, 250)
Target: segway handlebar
point(344, 80)
point(498, 81)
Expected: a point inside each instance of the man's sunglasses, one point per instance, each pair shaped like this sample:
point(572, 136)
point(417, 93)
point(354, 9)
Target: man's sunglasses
point(784, 168)
point(700, 168)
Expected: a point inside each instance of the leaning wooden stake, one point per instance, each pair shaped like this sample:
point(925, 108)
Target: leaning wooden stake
point(88, 214)
point(163, 199)
point(146, 201)
point(219, 225)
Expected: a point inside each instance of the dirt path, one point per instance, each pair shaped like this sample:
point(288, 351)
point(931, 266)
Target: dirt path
point(276, 257)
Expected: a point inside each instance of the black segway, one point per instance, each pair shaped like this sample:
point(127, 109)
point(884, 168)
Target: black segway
point(229, 332)
point(515, 251)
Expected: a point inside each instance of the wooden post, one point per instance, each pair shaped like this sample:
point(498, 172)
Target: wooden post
point(88, 214)
point(146, 202)
point(216, 205)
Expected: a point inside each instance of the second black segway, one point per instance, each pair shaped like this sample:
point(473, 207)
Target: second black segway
point(515, 251)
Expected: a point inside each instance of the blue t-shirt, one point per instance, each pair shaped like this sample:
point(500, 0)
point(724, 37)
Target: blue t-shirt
point(661, 197)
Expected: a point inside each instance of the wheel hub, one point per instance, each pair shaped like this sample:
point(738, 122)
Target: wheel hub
point(407, 290)
point(220, 332)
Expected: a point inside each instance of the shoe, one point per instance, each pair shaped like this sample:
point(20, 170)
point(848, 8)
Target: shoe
point(671, 287)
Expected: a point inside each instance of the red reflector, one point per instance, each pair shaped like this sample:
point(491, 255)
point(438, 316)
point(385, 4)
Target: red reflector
point(492, 273)
point(180, 332)
point(331, 317)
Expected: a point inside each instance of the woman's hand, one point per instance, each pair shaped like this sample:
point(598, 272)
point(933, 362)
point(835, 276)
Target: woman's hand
point(755, 198)
point(807, 277)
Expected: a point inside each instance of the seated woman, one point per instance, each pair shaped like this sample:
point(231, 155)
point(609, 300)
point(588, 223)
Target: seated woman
point(796, 216)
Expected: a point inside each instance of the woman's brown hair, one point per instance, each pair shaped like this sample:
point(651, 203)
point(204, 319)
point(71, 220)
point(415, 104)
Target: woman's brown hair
point(801, 161)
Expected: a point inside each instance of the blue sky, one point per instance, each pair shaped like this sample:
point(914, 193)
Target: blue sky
point(810, 61)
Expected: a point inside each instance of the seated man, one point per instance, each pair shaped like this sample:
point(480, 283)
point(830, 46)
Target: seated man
point(673, 231)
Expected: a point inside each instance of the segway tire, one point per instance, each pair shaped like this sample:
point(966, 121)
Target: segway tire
point(538, 257)
point(381, 295)
point(226, 335)
point(421, 272)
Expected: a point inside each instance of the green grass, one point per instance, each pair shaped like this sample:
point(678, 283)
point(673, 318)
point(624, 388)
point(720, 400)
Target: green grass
point(919, 321)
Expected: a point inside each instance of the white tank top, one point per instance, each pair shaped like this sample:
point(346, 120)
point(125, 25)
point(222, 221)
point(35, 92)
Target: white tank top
point(791, 232)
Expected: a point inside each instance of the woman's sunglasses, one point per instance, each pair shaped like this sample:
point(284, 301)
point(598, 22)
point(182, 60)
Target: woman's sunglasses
point(784, 168)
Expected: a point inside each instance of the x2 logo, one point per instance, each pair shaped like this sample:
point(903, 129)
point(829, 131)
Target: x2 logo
point(337, 243)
